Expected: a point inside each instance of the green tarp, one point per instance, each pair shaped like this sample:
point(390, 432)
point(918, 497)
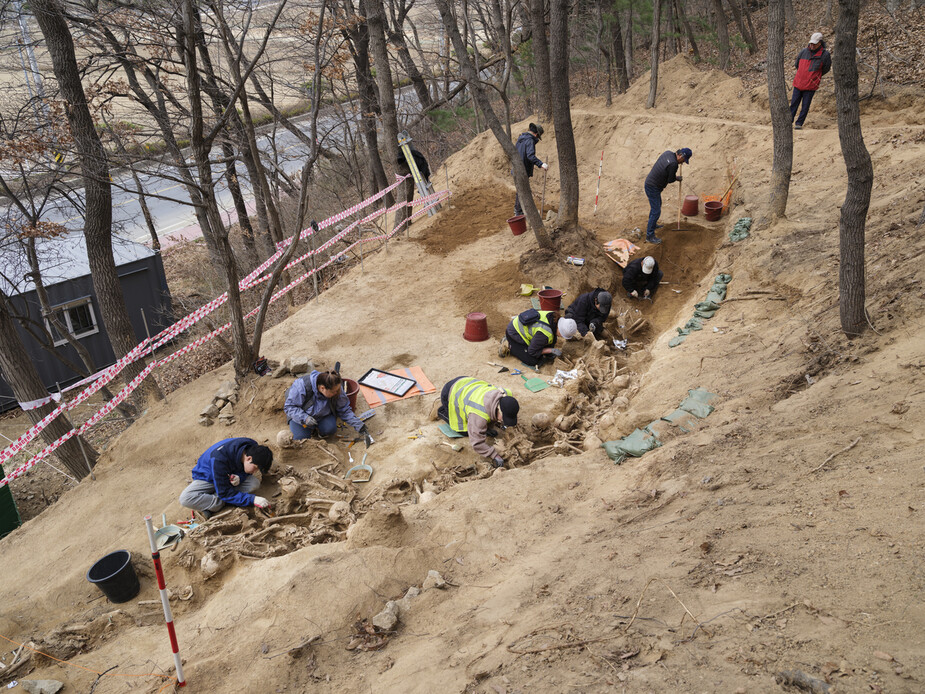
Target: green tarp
point(9, 514)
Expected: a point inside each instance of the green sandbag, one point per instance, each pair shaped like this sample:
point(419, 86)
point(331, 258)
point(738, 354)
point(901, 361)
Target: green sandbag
point(682, 419)
point(675, 341)
point(683, 331)
point(724, 277)
point(715, 297)
point(635, 445)
point(706, 306)
point(704, 314)
point(740, 230)
point(694, 324)
point(697, 402)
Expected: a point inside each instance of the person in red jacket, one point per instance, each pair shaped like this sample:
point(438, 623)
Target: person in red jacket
point(812, 63)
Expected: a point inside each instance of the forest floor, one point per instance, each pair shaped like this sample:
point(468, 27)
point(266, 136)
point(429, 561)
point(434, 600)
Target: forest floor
point(783, 533)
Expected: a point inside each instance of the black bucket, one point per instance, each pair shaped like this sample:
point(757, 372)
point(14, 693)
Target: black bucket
point(115, 576)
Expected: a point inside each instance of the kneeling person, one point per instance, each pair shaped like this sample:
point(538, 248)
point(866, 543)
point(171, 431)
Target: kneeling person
point(315, 401)
point(589, 311)
point(641, 277)
point(225, 474)
point(469, 405)
point(531, 336)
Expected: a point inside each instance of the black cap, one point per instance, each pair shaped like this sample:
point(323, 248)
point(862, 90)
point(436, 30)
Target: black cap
point(261, 456)
point(604, 299)
point(509, 409)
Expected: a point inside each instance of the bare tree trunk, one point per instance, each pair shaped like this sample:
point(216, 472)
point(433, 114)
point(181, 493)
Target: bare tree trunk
point(97, 191)
point(376, 21)
point(608, 58)
point(743, 30)
point(780, 113)
point(722, 34)
point(541, 54)
point(562, 115)
point(687, 30)
point(520, 173)
point(671, 46)
point(851, 289)
point(19, 372)
point(790, 14)
point(628, 42)
point(619, 59)
point(827, 19)
point(398, 14)
point(653, 54)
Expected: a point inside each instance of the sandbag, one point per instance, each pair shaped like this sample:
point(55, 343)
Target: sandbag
point(634, 445)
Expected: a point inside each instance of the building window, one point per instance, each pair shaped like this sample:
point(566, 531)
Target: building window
point(77, 316)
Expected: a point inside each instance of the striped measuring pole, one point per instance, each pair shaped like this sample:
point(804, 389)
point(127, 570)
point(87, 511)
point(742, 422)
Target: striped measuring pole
point(165, 601)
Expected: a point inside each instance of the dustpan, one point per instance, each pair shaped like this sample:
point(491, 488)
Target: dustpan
point(364, 471)
point(168, 535)
point(534, 384)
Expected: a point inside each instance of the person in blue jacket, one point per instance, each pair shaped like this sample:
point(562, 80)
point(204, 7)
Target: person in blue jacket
point(526, 148)
point(664, 171)
point(225, 474)
point(315, 401)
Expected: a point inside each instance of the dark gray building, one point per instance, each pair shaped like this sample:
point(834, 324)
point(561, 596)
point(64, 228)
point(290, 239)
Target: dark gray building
point(66, 276)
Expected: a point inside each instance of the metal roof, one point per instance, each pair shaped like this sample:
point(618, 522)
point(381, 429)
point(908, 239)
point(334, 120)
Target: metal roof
point(61, 259)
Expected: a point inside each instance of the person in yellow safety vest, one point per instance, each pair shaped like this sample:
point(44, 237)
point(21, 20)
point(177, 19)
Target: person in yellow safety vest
point(469, 406)
point(531, 336)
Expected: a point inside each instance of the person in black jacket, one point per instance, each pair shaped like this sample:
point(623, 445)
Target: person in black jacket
point(664, 171)
point(526, 148)
point(641, 277)
point(589, 311)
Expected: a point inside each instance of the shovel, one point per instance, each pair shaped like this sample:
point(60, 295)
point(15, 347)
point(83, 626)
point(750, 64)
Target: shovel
point(501, 370)
point(534, 384)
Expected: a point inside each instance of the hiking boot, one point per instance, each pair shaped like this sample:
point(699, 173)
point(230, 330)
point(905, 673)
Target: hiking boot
point(652, 238)
point(206, 515)
point(504, 348)
point(797, 127)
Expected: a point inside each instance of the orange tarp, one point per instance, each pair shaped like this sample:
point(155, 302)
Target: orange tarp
point(374, 397)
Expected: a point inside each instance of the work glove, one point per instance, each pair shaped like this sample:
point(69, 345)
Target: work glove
point(309, 422)
point(260, 502)
point(545, 166)
point(593, 327)
point(680, 178)
point(556, 352)
point(634, 294)
point(646, 294)
point(498, 461)
point(234, 480)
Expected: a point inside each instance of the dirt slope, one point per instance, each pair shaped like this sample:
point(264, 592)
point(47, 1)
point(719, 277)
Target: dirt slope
point(786, 563)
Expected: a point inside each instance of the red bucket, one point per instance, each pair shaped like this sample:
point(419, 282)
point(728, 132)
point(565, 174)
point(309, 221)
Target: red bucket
point(712, 210)
point(691, 206)
point(518, 224)
point(550, 299)
point(351, 388)
point(476, 327)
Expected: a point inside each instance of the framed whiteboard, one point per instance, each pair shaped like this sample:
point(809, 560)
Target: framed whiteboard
point(386, 382)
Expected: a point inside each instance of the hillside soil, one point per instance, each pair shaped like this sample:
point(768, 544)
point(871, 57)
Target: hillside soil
point(778, 538)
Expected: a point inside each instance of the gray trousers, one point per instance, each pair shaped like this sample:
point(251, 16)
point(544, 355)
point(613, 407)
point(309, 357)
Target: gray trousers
point(201, 496)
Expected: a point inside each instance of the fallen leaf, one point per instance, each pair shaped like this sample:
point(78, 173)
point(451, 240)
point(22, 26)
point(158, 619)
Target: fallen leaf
point(843, 492)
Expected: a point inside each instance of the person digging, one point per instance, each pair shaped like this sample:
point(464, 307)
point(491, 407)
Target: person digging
point(226, 474)
point(664, 171)
point(531, 336)
point(315, 401)
point(471, 406)
point(589, 311)
point(641, 278)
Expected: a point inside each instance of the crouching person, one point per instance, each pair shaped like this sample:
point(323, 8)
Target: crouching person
point(470, 406)
point(531, 336)
point(226, 474)
point(315, 402)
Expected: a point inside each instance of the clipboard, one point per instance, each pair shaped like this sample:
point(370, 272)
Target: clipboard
point(386, 382)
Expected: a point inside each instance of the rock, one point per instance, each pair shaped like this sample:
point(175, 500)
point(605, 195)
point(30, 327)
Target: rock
point(434, 580)
point(226, 411)
point(883, 656)
point(404, 605)
point(227, 421)
point(205, 422)
point(414, 591)
point(226, 389)
point(591, 443)
point(284, 438)
point(41, 686)
point(219, 403)
point(233, 398)
point(540, 420)
point(209, 410)
point(299, 365)
point(388, 618)
point(280, 371)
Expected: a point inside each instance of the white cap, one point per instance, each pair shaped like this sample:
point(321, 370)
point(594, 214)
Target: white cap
point(648, 264)
point(567, 328)
point(815, 38)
